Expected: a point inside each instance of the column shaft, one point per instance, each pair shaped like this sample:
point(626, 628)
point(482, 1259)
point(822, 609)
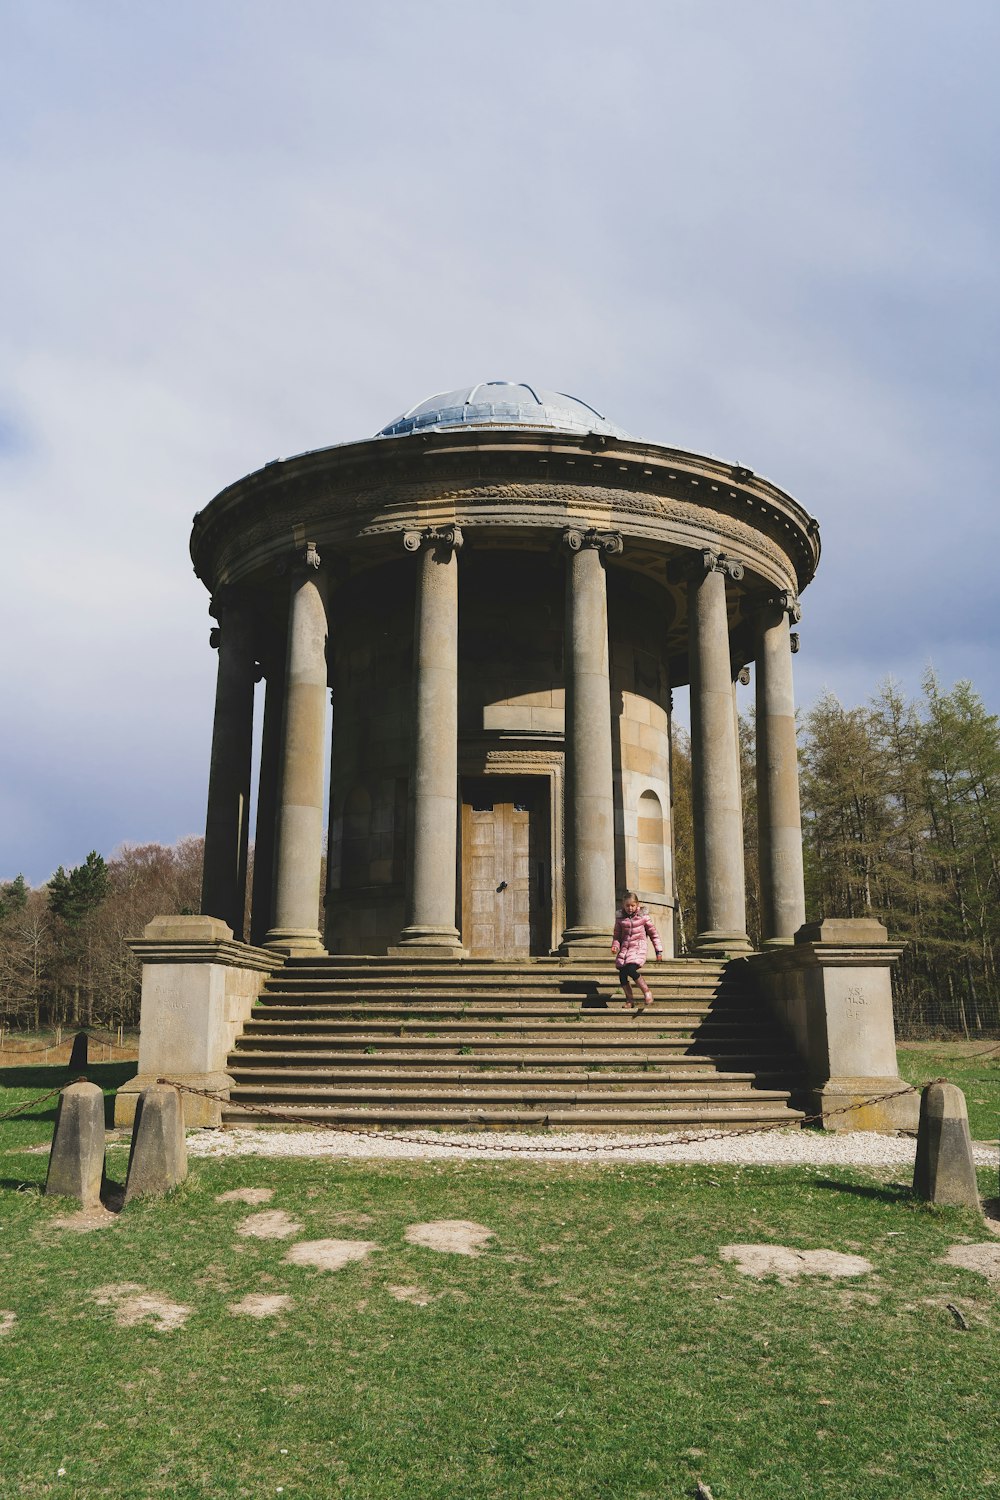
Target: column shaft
point(227, 823)
point(262, 902)
point(782, 881)
point(433, 848)
point(590, 824)
point(720, 887)
point(299, 818)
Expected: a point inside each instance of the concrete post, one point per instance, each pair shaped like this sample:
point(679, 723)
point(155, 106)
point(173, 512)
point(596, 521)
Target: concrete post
point(945, 1170)
point(76, 1160)
point(157, 1160)
point(590, 820)
point(432, 856)
point(227, 824)
point(720, 887)
point(299, 818)
point(779, 822)
point(262, 901)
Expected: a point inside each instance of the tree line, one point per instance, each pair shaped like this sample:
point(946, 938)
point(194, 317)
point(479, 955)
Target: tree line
point(900, 817)
point(900, 821)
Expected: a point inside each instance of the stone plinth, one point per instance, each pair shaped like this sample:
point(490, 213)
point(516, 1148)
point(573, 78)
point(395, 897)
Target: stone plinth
point(832, 992)
point(198, 989)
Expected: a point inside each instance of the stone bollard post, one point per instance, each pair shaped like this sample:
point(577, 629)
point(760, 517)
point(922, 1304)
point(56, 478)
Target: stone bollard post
point(78, 1057)
point(76, 1160)
point(944, 1171)
point(158, 1159)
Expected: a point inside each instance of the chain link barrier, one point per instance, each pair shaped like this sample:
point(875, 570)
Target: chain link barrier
point(283, 1117)
point(92, 1032)
point(30, 1103)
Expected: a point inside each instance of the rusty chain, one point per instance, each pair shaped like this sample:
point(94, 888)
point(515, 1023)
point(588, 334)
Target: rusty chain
point(281, 1117)
point(29, 1103)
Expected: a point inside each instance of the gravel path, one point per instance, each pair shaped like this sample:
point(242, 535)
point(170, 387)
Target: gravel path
point(775, 1148)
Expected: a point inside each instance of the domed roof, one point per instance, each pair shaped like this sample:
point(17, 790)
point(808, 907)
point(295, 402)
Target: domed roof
point(501, 403)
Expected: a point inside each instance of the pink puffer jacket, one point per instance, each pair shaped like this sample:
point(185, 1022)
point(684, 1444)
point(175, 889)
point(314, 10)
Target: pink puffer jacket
point(631, 933)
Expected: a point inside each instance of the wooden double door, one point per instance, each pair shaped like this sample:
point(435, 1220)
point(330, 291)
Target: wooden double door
point(506, 870)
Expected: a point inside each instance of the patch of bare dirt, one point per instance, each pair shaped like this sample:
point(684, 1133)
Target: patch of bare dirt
point(786, 1263)
point(134, 1305)
point(329, 1255)
point(7, 1321)
point(415, 1294)
point(86, 1219)
point(250, 1196)
point(260, 1305)
point(982, 1258)
point(454, 1236)
point(272, 1224)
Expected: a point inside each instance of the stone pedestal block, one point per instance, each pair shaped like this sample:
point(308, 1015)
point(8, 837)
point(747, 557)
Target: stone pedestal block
point(944, 1171)
point(198, 989)
point(832, 992)
point(158, 1159)
point(76, 1161)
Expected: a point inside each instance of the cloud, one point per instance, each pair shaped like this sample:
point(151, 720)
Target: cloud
point(242, 232)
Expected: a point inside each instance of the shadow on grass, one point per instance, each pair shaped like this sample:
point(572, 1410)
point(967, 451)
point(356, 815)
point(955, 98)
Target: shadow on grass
point(108, 1076)
point(889, 1192)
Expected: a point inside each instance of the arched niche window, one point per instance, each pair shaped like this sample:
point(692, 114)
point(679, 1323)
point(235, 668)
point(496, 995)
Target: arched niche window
point(355, 853)
point(652, 874)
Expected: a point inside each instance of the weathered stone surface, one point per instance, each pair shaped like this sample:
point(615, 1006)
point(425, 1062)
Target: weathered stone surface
point(944, 1171)
point(158, 1159)
point(76, 1161)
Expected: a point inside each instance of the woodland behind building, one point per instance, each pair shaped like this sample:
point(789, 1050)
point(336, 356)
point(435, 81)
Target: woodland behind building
point(901, 821)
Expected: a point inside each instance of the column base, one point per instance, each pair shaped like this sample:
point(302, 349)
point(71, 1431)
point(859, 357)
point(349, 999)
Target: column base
point(721, 945)
point(900, 1113)
point(586, 943)
point(197, 1112)
point(428, 942)
point(296, 942)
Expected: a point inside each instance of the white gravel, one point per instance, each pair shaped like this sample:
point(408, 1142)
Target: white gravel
point(775, 1148)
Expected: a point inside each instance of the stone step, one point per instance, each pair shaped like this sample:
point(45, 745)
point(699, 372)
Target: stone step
point(290, 1067)
point(610, 1049)
point(306, 1022)
point(527, 1094)
point(606, 978)
point(666, 1118)
point(292, 1005)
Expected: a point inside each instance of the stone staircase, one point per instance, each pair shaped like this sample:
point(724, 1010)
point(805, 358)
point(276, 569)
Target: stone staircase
point(474, 1043)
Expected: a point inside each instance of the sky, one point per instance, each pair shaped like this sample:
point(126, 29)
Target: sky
point(236, 231)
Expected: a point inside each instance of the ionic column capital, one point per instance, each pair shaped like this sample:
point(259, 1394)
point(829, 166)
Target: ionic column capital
point(448, 538)
point(786, 603)
point(574, 539)
point(301, 561)
point(695, 566)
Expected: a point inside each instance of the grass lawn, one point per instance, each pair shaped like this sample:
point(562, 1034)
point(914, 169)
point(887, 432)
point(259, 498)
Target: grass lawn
point(599, 1347)
point(977, 1076)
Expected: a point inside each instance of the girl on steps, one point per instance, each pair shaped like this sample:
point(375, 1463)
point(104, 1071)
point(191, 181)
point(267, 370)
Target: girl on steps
point(632, 928)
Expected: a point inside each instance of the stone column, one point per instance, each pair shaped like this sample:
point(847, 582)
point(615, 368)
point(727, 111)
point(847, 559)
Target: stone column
point(262, 903)
point(227, 823)
point(720, 887)
point(782, 882)
point(299, 817)
point(432, 854)
point(590, 813)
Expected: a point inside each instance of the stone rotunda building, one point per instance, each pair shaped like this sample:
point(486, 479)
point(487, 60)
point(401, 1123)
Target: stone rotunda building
point(499, 594)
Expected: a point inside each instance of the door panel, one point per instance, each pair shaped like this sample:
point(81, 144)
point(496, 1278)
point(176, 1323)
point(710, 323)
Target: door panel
point(505, 875)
